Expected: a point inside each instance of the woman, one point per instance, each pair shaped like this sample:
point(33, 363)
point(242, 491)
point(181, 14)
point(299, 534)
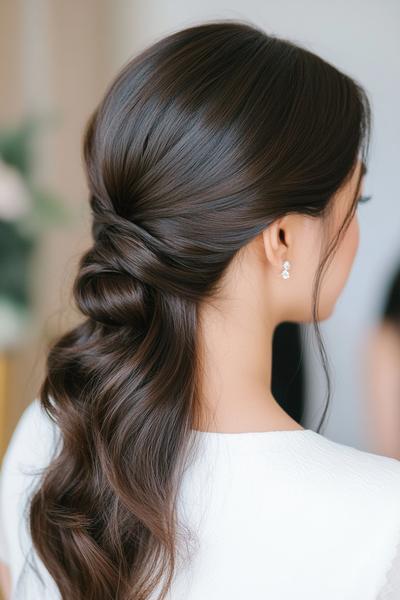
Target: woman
point(225, 168)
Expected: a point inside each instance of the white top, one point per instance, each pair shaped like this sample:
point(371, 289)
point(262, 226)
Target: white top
point(278, 515)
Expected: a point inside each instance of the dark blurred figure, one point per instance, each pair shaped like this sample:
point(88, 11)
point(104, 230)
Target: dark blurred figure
point(382, 374)
point(287, 379)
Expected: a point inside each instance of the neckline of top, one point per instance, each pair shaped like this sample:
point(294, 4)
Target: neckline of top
point(243, 434)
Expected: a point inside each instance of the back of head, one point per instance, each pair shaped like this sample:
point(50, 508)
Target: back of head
point(200, 142)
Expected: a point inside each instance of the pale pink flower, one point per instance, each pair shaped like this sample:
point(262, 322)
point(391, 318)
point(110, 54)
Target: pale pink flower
point(15, 199)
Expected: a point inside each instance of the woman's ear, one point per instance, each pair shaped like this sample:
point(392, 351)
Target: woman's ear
point(276, 238)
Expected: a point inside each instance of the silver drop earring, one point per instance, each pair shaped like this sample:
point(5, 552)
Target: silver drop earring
point(285, 269)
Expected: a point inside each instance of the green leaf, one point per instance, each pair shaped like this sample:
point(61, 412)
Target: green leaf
point(16, 142)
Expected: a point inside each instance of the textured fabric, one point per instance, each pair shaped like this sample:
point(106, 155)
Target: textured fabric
point(391, 588)
point(277, 515)
point(30, 449)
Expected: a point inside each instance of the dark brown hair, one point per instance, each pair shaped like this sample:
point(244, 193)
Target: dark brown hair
point(201, 141)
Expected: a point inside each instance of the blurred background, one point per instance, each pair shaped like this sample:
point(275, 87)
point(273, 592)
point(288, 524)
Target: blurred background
point(56, 59)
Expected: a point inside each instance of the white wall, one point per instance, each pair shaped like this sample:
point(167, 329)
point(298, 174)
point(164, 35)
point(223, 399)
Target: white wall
point(361, 37)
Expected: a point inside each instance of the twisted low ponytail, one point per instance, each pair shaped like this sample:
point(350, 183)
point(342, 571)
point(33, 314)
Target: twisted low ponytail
point(118, 411)
point(199, 143)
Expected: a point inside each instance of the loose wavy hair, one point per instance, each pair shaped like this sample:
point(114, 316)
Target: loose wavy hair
point(200, 142)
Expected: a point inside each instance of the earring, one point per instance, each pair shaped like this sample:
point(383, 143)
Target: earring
point(285, 269)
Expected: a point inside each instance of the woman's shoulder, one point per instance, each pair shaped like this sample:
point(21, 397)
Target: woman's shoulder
point(360, 470)
point(352, 463)
point(29, 451)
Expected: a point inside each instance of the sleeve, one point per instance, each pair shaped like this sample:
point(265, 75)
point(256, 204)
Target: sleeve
point(391, 587)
